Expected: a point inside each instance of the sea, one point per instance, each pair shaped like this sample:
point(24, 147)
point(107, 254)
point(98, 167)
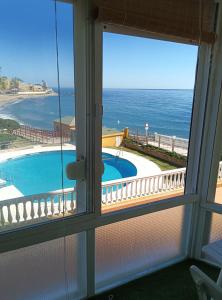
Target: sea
point(166, 111)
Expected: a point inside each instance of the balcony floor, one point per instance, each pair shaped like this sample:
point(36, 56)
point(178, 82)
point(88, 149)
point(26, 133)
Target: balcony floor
point(171, 283)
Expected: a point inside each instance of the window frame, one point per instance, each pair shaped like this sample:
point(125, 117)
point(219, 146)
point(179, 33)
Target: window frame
point(88, 79)
point(211, 148)
point(196, 133)
point(83, 36)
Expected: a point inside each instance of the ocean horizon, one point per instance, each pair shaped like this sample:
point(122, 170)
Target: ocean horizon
point(167, 111)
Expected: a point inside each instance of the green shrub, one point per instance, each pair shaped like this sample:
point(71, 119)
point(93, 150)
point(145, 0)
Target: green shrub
point(160, 150)
point(4, 137)
point(8, 124)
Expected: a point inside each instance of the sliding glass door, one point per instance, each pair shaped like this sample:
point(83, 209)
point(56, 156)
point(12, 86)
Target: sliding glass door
point(42, 123)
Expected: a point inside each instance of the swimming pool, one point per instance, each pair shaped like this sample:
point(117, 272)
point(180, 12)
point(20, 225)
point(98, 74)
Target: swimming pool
point(41, 172)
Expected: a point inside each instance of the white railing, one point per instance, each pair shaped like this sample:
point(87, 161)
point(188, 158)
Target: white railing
point(31, 209)
point(134, 187)
point(35, 207)
point(171, 141)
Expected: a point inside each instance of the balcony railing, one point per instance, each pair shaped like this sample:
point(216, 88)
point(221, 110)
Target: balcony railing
point(32, 208)
point(42, 136)
point(35, 208)
point(134, 187)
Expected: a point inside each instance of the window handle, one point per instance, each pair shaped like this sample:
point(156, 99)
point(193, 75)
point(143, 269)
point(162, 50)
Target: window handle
point(76, 170)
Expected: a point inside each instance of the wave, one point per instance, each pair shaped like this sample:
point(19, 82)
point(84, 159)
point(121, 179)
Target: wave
point(12, 117)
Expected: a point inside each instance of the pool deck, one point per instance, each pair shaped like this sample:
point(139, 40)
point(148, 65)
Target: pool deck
point(9, 192)
point(35, 149)
point(143, 165)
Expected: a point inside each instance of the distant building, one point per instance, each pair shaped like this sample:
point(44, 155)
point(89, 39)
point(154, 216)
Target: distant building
point(110, 137)
point(66, 126)
point(37, 88)
point(44, 85)
point(24, 87)
point(5, 83)
point(16, 85)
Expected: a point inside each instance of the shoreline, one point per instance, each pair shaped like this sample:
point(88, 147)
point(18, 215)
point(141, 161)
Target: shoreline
point(10, 99)
point(173, 126)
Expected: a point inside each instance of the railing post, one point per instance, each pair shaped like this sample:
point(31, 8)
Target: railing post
point(72, 201)
point(9, 214)
point(24, 211)
point(2, 217)
point(32, 213)
point(17, 215)
point(173, 142)
point(52, 205)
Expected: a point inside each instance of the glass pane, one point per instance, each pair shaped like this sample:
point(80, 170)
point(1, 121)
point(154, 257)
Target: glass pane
point(147, 102)
point(215, 228)
point(37, 112)
point(50, 270)
point(211, 249)
point(218, 195)
point(128, 248)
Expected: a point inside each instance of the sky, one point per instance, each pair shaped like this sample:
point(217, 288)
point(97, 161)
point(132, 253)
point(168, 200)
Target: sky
point(135, 62)
point(28, 43)
point(28, 51)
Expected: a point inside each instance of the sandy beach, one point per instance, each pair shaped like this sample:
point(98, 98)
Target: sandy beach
point(7, 98)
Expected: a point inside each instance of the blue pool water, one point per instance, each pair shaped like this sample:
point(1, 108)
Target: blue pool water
point(41, 172)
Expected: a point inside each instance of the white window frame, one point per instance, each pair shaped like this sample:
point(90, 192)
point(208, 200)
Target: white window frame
point(88, 79)
point(196, 131)
point(211, 149)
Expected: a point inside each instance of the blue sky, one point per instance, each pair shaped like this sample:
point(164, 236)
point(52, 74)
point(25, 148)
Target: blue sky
point(27, 39)
point(134, 62)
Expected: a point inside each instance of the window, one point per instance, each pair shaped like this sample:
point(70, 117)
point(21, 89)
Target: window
point(218, 195)
point(38, 115)
point(51, 269)
point(147, 103)
point(135, 245)
point(81, 248)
